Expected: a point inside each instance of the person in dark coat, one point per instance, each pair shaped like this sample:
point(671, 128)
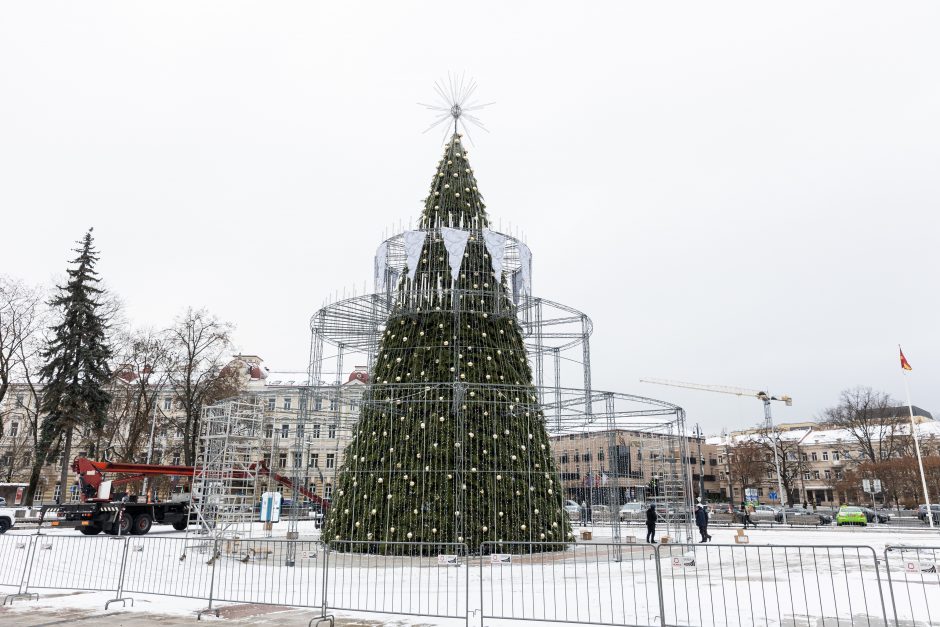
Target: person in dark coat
point(651, 524)
point(701, 520)
point(746, 516)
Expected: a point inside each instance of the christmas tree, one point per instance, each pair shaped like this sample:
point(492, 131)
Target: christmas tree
point(451, 443)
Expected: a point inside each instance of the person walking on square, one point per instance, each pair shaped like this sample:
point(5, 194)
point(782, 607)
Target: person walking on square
point(651, 524)
point(701, 520)
point(746, 516)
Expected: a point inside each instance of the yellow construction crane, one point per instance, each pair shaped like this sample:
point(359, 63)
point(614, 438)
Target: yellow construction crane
point(764, 397)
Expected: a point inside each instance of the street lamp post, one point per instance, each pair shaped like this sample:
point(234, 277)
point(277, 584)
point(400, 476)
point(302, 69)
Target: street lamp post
point(701, 459)
point(153, 425)
point(773, 433)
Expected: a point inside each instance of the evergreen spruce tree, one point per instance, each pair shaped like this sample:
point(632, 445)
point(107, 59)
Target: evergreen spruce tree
point(451, 443)
point(75, 372)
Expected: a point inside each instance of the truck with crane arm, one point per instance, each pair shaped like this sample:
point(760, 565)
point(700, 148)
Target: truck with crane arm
point(102, 510)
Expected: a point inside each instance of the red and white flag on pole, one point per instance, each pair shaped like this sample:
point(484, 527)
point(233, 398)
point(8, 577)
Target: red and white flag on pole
point(904, 363)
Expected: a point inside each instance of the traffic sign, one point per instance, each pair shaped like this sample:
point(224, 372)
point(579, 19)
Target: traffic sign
point(773, 496)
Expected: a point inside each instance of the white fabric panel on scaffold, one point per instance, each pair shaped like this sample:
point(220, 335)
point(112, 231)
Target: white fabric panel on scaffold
point(525, 259)
point(414, 242)
point(496, 246)
point(455, 241)
point(381, 259)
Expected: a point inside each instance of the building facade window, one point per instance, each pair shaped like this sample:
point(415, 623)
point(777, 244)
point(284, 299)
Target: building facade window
point(269, 431)
point(285, 431)
point(330, 458)
point(300, 432)
point(282, 460)
point(316, 431)
point(314, 460)
point(298, 460)
point(814, 457)
point(14, 429)
point(287, 402)
point(332, 431)
point(328, 491)
point(271, 403)
point(168, 403)
point(825, 456)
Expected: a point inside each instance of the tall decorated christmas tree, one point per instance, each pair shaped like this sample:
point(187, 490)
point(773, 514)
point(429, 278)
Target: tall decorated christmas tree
point(451, 443)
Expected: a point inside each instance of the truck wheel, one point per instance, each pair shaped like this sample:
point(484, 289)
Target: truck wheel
point(4, 525)
point(91, 530)
point(142, 523)
point(124, 524)
point(180, 525)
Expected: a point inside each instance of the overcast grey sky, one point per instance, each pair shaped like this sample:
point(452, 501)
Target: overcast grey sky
point(737, 193)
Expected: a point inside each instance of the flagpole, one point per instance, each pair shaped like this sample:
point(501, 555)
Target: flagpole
point(920, 462)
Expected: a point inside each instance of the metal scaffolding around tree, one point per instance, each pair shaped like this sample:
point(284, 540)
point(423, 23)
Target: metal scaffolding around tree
point(346, 334)
point(468, 377)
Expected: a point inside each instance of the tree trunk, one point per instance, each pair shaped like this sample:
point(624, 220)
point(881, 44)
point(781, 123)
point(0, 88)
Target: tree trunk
point(30, 495)
point(64, 471)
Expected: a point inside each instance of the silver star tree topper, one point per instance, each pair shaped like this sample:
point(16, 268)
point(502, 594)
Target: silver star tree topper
point(455, 104)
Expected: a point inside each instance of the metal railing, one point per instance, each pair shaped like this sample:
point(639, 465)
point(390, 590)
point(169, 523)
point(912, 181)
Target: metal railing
point(14, 555)
point(596, 583)
point(602, 583)
point(76, 562)
point(414, 578)
point(913, 574)
point(774, 584)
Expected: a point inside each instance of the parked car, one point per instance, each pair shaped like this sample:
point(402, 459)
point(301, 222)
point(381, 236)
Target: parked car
point(922, 513)
point(632, 511)
point(599, 513)
point(719, 508)
point(824, 518)
point(851, 516)
point(764, 513)
point(3, 501)
point(573, 510)
point(875, 516)
point(7, 518)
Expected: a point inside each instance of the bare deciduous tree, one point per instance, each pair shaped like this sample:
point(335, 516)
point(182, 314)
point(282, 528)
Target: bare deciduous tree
point(788, 457)
point(872, 420)
point(142, 358)
point(745, 463)
point(199, 342)
point(20, 307)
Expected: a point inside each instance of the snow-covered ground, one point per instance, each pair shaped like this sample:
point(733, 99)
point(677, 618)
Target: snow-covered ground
point(784, 576)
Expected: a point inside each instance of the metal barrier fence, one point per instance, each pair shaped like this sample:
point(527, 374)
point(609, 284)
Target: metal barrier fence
point(914, 583)
point(577, 583)
point(177, 567)
point(775, 584)
point(256, 571)
point(596, 583)
point(414, 578)
point(76, 562)
point(14, 556)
